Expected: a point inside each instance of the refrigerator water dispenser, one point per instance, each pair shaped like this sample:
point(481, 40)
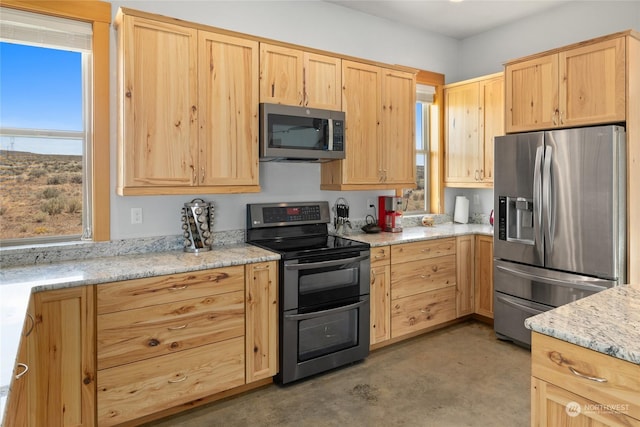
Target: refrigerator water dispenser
point(516, 220)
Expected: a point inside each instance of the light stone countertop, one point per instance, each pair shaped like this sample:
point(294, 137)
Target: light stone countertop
point(416, 234)
point(607, 322)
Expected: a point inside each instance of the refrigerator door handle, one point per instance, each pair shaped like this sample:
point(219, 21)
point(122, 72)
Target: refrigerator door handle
point(537, 203)
point(577, 284)
point(547, 200)
point(509, 301)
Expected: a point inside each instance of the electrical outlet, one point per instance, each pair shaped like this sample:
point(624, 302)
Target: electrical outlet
point(370, 205)
point(136, 215)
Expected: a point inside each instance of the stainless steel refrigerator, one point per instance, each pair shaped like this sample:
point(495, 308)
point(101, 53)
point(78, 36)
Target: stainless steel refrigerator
point(559, 233)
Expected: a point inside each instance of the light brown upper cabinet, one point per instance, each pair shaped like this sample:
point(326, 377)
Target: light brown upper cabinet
point(295, 77)
point(188, 110)
point(579, 86)
point(379, 104)
point(474, 115)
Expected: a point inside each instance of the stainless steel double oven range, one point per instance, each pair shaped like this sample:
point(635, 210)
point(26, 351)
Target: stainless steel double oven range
point(323, 287)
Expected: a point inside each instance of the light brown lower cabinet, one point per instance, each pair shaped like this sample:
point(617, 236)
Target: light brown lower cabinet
point(58, 347)
point(169, 340)
point(465, 249)
point(423, 285)
point(576, 386)
point(484, 276)
point(380, 294)
point(261, 302)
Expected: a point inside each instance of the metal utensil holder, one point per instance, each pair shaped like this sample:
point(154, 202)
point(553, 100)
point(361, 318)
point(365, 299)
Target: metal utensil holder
point(197, 222)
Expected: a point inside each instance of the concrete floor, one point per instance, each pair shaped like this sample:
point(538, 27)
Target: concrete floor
point(458, 376)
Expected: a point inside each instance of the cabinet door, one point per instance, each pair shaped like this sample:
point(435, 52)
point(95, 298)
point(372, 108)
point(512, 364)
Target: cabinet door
point(228, 105)
point(592, 84)
point(63, 357)
point(465, 246)
point(554, 406)
point(261, 293)
point(19, 412)
point(380, 304)
point(484, 276)
point(159, 98)
point(281, 71)
point(322, 81)
point(398, 127)
point(532, 94)
point(491, 123)
point(361, 103)
point(462, 138)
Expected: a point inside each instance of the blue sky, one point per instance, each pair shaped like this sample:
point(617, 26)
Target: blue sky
point(40, 88)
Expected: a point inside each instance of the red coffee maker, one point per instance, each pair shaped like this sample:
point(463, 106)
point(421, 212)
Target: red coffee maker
point(390, 213)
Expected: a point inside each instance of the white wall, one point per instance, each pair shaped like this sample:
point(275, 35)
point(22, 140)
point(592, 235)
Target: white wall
point(569, 23)
point(337, 29)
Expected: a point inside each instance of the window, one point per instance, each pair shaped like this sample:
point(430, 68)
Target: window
point(52, 129)
point(416, 200)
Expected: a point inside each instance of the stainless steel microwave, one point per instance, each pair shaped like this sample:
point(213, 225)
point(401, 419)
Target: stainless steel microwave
point(300, 133)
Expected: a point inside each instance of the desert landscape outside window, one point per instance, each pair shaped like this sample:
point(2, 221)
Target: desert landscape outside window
point(416, 200)
point(44, 133)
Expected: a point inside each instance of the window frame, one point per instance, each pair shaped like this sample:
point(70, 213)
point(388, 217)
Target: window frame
point(98, 14)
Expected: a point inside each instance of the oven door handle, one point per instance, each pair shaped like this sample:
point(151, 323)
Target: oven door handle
point(325, 312)
point(321, 264)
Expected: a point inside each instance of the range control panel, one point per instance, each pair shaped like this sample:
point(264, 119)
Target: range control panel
point(281, 214)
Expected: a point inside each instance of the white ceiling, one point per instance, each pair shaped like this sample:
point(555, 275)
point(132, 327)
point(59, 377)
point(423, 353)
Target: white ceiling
point(453, 19)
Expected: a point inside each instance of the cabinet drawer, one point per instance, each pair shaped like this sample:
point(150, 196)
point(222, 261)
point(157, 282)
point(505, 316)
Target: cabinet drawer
point(131, 391)
point(170, 288)
point(132, 335)
point(380, 255)
point(413, 277)
point(553, 359)
point(423, 310)
point(420, 250)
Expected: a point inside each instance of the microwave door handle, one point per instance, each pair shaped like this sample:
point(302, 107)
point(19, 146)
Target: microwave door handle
point(551, 281)
point(328, 312)
point(330, 136)
point(322, 264)
point(537, 203)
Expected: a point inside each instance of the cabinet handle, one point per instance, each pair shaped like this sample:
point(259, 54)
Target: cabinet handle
point(587, 377)
point(561, 119)
point(33, 324)
point(202, 177)
point(178, 288)
point(176, 328)
point(179, 380)
point(266, 267)
point(554, 117)
point(481, 174)
point(382, 255)
point(373, 277)
point(21, 374)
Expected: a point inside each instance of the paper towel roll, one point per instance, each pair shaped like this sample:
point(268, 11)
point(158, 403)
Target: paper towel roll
point(461, 210)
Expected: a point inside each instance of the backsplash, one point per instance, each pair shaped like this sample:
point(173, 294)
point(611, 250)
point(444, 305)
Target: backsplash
point(48, 254)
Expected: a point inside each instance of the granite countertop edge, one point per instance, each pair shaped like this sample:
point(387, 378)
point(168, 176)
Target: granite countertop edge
point(607, 322)
point(95, 271)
